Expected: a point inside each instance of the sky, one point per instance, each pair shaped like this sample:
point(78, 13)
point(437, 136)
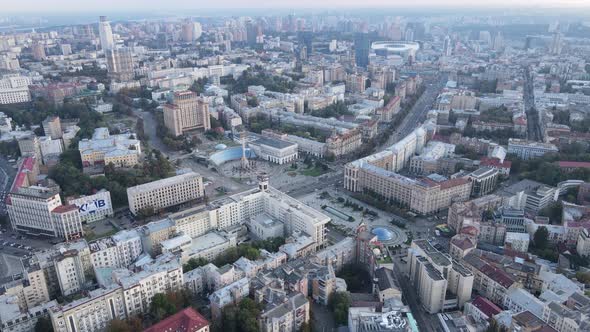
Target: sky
point(61, 6)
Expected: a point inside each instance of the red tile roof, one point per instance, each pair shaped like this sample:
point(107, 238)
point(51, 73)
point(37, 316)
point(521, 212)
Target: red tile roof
point(495, 162)
point(486, 306)
point(497, 275)
point(573, 164)
point(65, 208)
point(188, 320)
point(463, 243)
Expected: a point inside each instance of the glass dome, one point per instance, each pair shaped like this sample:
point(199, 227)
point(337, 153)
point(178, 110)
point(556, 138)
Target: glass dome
point(383, 234)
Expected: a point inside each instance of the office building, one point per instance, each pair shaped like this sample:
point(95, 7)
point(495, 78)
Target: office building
point(186, 112)
point(154, 233)
point(274, 150)
point(39, 211)
point(160, 194)
point(120, 63)
point(483, 181)
point(122, 150)
point(106, 34)
point(93, 207)
point(362, 47)
point(14, 89)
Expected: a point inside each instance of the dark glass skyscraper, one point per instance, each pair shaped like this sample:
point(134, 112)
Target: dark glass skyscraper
point(362, 44)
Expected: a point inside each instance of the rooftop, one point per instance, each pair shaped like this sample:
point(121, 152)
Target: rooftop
point(186, 320)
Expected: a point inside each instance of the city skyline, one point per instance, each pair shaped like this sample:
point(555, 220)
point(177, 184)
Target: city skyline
point(68, 6)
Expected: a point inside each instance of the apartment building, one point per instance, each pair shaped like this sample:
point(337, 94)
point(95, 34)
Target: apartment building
point(230, 294)
point(30, 146)
point(52, 127)
point(528, 150)
point(123, 150)
point(139, 288)
point(153, 233)
point(340, 144)
point(91, 313)
point(434, 274)
point(117, 251)
point(70, 272)
point(583, 244)
point(285, 314)
point(164, 193)
point(195, 221)
point(489, 281)
point(120, 63)
point(519, 300)
point(39, 211)
point(564, 319)
point(185, 112)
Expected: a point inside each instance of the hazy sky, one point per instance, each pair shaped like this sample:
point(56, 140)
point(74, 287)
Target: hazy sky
point(171, 5)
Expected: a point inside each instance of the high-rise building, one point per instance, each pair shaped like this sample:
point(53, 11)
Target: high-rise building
point(66, 49)
point(187, 111)
point(52, 127)
point(253, 32)
point(120, 63)
point(362, 46)
point(306, 39)
point(39, 51)
point(447, 46)
point(556, 43)
point(106, 34)
point(39, 211)
point(191, 31)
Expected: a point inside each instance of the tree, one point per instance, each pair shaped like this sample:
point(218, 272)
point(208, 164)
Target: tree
point(132, 324)
point(356, 277)
point(339, 302)
point(541, 237)
point(242, 317)
point(194, 263)
point(44, 325)
point(553, 211)
point(161, 307)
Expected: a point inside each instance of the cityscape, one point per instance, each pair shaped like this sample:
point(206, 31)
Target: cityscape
point(294, 167)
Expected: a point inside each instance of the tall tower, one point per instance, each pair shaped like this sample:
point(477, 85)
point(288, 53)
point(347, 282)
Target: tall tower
point(447, 47)
point(263, 181)
point(244, 160)
point(106, 34)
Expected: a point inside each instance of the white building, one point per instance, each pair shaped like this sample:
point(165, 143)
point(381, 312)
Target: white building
point(93, 207)
point(14, 89)
point(123, 150)
point(39, 211)
point(230, 294)
point(517, 241)
point(528, 149)
point(274, 150)
point(264, 227)
point(519, 300)
point(117, 251)
point(167, 192)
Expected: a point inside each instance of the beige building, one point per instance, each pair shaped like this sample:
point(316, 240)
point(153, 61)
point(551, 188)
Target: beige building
point(154, 233)
point(434, 274)
point(167, 192)
point(52, 127)
point(186, 112)
point(583, 245)
point(123, 150)
point(287, 315)
point(120, 63)
point(91, 313)
point(345, 143)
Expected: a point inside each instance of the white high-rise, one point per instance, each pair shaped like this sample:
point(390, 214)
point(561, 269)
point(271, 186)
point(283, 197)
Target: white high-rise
point(106, 34)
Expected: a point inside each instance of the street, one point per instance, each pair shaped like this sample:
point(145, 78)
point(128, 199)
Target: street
point(418, 112)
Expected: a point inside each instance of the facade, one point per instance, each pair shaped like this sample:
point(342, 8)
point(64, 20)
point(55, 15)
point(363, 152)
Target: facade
point(165, 193)
point(186, 112)
point(274, 150)
point(517, 241)
point(123, 150)
point(92, 313)
point(93, 207)
point(106, 34)
point(52, 127)
point(14, 89)
point(39, 211)
point(483, 181)
point(117, 251)
point(434, 274)
point(120, 63)
point(287, 315)
point(583, 244)
point(230, 294)
point(30, 146)
point(528, 150)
